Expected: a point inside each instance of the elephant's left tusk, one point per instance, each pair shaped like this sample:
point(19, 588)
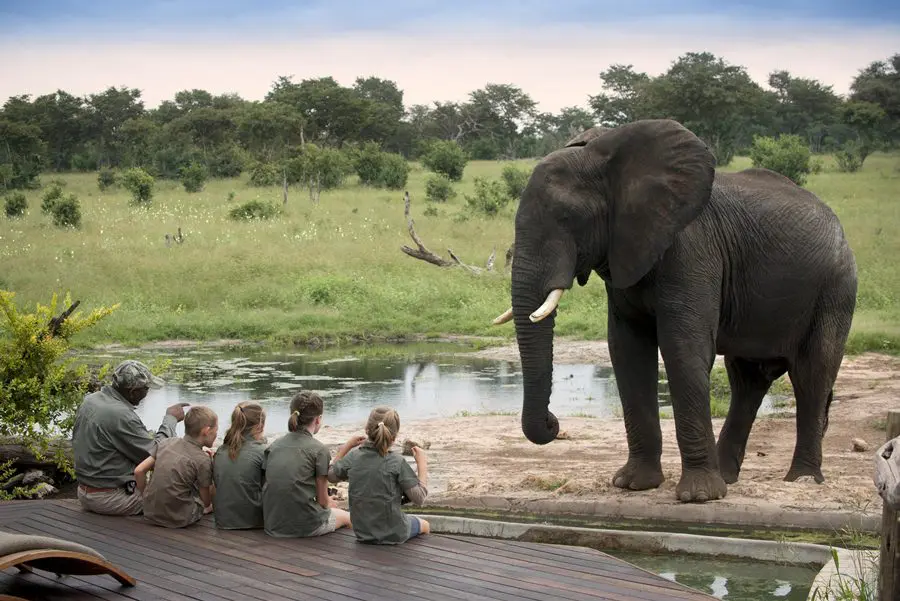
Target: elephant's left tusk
point(504, 317)
point(548, 306)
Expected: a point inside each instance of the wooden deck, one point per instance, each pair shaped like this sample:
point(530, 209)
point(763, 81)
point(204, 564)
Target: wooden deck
point(203, 563)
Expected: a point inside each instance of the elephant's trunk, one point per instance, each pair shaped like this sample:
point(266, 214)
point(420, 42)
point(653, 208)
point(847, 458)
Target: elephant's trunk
point(535, 341)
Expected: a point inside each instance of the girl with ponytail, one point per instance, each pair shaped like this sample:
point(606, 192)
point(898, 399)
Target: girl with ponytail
point(379, 479)
point(238, 471)
point(295, 496)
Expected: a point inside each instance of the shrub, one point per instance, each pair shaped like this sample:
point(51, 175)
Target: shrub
point(40, 386)
point(816, 166)
point(446, 157)
point(253, 209)
point(140, 184)
point(788, 155)
point(67, 212)
point(318, 169)
point(515, 179)
point(489, 198)
point(50, 198)
point(264, 174)
point(193, 177)
point(368, 161)
point(430, 211)
point(849, 158)
point(16, 204)
point(107, 178)
point(227, 161)
point(439, 188)
point(394, 171)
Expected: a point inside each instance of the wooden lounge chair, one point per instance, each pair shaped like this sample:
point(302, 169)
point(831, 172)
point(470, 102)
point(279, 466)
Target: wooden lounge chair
point(27, 552)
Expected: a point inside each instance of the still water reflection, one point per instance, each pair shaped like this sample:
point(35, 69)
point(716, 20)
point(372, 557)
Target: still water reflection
point(421, 381)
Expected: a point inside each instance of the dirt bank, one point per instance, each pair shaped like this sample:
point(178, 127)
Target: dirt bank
point(488, 455)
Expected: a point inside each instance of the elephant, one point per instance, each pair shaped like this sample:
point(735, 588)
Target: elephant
point(695, 263)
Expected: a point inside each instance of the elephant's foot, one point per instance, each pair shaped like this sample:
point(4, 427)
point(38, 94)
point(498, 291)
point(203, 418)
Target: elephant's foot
point(729, 465)
point(799, 469)
point(698, 485)
point(639, 475)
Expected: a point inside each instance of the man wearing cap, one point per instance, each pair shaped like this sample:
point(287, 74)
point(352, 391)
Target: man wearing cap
point(109, 440)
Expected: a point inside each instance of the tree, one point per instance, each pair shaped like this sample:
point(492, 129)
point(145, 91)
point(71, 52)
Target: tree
point(867, 121)
point(879, 84)
point(805, 107)
point(627, 97)
point(106, 113)
point(61, 118)
point(499, 113)
point(22, 154)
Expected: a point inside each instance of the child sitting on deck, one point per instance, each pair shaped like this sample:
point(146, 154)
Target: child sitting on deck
point(379, 479)
point(238, 469)
point(181, 487)
point(295, 495)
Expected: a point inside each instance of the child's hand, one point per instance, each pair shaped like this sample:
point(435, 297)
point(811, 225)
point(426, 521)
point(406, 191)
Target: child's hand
point(419, 454)
point(209, 451)
point(355, 440)
point(332, 502)
point(207, 509)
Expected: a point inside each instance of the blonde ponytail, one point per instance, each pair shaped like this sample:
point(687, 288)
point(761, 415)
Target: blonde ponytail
point(382, 428)
point(246, 417)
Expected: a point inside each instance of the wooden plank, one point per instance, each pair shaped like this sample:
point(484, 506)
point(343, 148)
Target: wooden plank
point(889, 569)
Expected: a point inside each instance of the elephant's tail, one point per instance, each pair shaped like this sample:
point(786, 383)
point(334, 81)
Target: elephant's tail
point(827, 408)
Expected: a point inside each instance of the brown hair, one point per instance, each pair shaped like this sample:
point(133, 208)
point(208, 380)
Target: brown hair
point(197, 418)
point(305, 407)
point(246, 417)
point(382, 428)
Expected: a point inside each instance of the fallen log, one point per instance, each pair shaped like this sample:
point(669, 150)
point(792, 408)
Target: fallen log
point(11, 449)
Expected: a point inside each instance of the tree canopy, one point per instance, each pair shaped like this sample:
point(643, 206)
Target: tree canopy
point(227, 134)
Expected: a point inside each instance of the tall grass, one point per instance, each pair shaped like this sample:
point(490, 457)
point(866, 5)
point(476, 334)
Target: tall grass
point(335, 270)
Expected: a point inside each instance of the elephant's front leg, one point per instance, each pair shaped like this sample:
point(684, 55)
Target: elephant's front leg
point(633, 350)
point(688, 350)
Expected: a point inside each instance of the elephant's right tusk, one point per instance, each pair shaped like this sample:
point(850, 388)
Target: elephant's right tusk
point(504, 317)
point(548, 306)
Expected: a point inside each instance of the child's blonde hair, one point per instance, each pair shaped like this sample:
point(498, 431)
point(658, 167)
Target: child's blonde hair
point(197, 418)
point(382, 428)
point(247, 418)
point(305, 407)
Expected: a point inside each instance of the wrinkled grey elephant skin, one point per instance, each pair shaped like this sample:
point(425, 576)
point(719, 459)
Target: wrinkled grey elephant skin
point(747, 265)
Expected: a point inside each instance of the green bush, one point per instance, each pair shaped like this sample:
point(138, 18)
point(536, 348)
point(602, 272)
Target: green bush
point(264, 174)
point(439, 188)
point(41, 386)
point(850, 157)
point(50, 198)
point(227, 161)
point(394, 171)
point(489, 198)
point(446, 157)
point(368, 161)
point(515, 179)
point(107, 178)
point(788, 155)
point(67, 212)
point(253, 209)
point(193, 177)
point(140, 184)
point(16, 204)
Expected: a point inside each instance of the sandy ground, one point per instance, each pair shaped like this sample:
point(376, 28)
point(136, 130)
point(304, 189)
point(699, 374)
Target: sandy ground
point(488, 455)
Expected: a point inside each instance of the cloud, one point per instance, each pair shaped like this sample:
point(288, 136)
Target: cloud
point(557, 62)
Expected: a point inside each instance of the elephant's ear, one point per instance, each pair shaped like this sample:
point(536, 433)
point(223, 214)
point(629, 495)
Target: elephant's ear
point(586, 136)
point(659, 177)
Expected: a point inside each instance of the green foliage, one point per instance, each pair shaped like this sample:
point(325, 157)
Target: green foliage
point(489, 198)
point(394, 172)
point(40, 388)
point(23, 154)
point(788, 155)
point(66, 212)
point(264, 174)
point(860, 584)
point(253, 209)
point(439, 188)
point(447, 158)
point(107, 178)
point(193, 177)
point(719, 392)
point(15, 205)
point(849, 158)
point(515, 179)
point(50, 198)
point(227, 161)
point(318, 168)
point(140, 184)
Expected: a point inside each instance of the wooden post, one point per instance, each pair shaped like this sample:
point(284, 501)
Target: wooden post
point(889, 574)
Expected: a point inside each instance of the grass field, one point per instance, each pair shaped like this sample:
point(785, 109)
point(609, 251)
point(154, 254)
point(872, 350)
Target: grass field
point(335, 270)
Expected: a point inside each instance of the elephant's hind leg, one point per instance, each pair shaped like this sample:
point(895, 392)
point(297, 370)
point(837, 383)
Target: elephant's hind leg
point(750, 380)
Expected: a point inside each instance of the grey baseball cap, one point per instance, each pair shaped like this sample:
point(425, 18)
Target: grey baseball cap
point(134, 374)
